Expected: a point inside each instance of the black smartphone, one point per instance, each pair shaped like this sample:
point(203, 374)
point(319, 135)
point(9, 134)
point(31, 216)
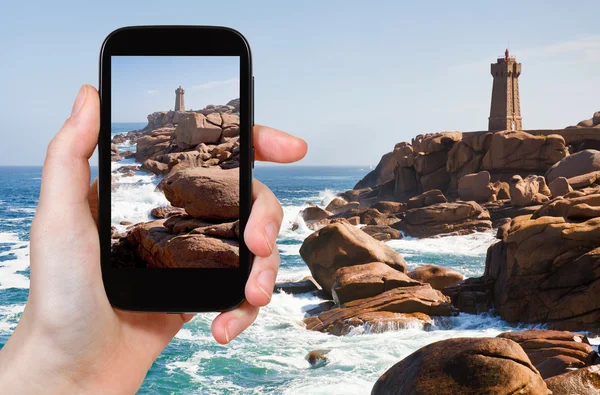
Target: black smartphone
point(175, 167)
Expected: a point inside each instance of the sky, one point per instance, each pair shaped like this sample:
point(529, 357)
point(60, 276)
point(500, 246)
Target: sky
point(145, 84)
point(351, 79)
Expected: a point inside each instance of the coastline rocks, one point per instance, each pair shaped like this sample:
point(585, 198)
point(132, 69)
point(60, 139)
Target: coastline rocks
point(584, 381)
point(433, 142)
point(340, 244)
point(464, 366)
point(363, 281)
point(476, 187)
point(166, 212)
point(208, 193)
point(473, 295)
point(382, 232)
point(314, 213)
point(386, 207)
point(583, 162)
point(560, 186)
point(114, 153)
point(196, 129)
point(554, 352)
point(459, 218)
point(546, 266)
point(383, 172)
point(335, 203)
point(345, 208)
point(159, 248)
point(307, 284)
point(531, 190)
point(428, 198)
point(157, 142)
point(437, 276)
point(406, 300)
point(518, 150)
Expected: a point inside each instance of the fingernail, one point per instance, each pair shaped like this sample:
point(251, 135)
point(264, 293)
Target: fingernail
point(271, 232)
point(79, 100)
point(226, 334)
point(265, 281)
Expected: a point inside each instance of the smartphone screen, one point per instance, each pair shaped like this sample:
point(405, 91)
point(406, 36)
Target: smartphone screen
point(175, 162)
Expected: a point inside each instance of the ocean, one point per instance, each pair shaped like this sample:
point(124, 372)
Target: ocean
point(269, 357)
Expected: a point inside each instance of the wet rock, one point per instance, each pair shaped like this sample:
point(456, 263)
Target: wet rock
point(340, 244)
point(437, 276)
point(555, 352)
point(370, 279)
point(464, 366)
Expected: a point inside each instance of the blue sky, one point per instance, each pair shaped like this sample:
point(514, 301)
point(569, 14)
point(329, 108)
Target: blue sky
point(144, 84)
point(351, 78)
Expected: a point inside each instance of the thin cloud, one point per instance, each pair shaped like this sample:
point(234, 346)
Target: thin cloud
point(213, 84)
point(151, 91)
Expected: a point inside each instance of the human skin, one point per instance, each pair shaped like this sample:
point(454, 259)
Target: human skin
point(69, 338)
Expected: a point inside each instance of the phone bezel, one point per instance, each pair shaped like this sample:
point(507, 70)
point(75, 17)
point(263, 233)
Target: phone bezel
point(175, 290)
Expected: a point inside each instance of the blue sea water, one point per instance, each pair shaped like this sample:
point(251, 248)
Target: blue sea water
point(269, 357)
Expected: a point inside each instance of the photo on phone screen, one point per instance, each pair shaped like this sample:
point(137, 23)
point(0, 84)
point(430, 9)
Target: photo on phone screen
point(175, 189)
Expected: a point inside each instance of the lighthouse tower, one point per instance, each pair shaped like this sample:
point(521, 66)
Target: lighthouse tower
point(179, 104)
point(505, 111)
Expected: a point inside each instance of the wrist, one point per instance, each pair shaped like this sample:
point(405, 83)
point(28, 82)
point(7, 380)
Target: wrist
point(29, 368)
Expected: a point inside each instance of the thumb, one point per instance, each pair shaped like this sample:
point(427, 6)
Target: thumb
point(66, 171)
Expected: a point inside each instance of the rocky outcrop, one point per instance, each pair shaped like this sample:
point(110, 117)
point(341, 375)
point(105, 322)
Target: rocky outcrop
point(560, 186)
point(156, 142)
point(517, 151)
point(389, 207)
point(546, 266)
point(204, 193)
point(340, 244)
point(587, 161)
point(476, 187)
point(363, 281)
point(114, 153)
point(425, 199)
point(383, 172)
point(437, 276)
point(585, 381)
point(457, 218)
point(554, 352)
point(166, 212)
point(382, 232)
point(473, 296)
point(159, 247)
point(530, 191)
point(464, 366)
point(196, 129)
point(416, 303)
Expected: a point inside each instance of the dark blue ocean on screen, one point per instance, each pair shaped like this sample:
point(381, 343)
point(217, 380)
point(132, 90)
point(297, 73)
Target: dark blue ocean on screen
point(269, 357)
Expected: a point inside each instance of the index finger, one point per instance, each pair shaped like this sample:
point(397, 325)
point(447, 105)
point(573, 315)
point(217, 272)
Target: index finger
point(272, 145)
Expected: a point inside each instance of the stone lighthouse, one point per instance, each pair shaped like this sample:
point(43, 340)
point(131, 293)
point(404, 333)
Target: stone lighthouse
point(179, 103)
point(505, 111)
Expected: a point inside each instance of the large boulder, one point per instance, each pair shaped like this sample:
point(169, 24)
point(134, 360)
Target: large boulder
point(425, 199)
point(457, 218)
point(208, 193)
point(464, 366)
point(404, 300)
point(437, 276)
point(196, 129)
point(517, 150)
point(362, 281)
point(555, 352)
point(584, 381)
point(159, 248)
point(476, 187)
point(529, 191)
point(583, 162)
point(340, 244)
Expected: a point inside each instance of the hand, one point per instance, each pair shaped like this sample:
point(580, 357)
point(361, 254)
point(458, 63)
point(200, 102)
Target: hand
point(69, 338)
